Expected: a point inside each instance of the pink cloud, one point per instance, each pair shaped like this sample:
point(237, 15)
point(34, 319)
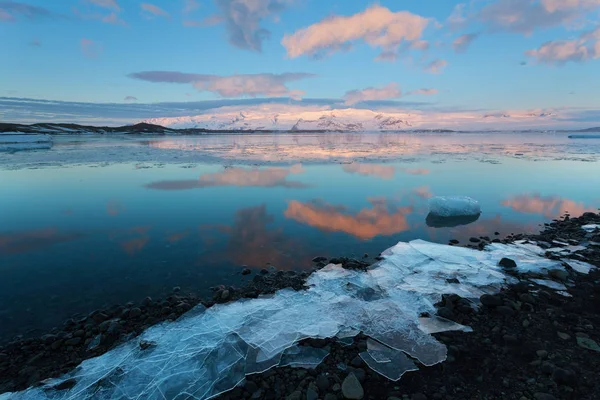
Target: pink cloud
point(389, 91)
point(130, 98)
point(110, 4)
point(113, 19)
point(90, 48)
point(424, 92)
point(381, 171)
point(559, 52)
point(377, 26)
point(462, 43)
point(208, 21)
point(524, 16)
point(4, 16)
point(436, 66)
point(247, 85)
point(154, 10)
point(190, 6)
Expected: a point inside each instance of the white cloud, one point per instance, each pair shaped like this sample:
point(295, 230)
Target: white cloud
point(110, 4)
point(424, 92)
point(389, 91)
point(190, 6)
point(377, 26)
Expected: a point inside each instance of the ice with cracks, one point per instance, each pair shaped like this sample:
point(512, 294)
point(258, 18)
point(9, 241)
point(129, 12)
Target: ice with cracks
point(210, 351)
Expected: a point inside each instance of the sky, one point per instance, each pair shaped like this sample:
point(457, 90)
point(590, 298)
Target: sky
point(120, 61)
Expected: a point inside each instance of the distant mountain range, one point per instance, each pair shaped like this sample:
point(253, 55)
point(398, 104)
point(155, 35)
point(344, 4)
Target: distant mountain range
point(186, 127)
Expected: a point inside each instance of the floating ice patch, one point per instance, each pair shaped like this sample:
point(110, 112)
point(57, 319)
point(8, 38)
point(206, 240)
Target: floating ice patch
point(453, 206)
point(210, 351)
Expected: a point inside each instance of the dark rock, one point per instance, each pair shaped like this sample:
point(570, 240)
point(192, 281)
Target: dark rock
point(250, 386)
point(264, 271)
point(73, 342)
point(135, 312)
point(357, 362)
point(297, 395)
point(559, 274)
point(445, 312)
point(225, 295)
point(351, 388)
point(490, 300)
point(80, 333)
point(68, 384)
point(311, 393)
point(453, 280)
point(322, 383)
point(543, 396)
point(418, 396)
point(176, 289)
point(360, 374)
point(506, 311)
point(246, 271)
point(564, 377)
point(474, 240)
point(547, 368)
point(507, 263)
point(454, 241)
point(527, 298)
point(319, 259)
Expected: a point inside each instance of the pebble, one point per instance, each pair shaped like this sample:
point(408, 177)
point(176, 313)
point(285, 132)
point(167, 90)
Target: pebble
point(246, 271)
point(419, 396)
point(135, 312)
point(563, 336)
point(542, 353)
point(490, 300)
point(322, 383)
point(559, 274)
point(506, 311)
point(474, 240)
point(543, 396)
point(445, 312)
point(225, 295)
point(351, 388)
point(297, 395)
point(564, 377)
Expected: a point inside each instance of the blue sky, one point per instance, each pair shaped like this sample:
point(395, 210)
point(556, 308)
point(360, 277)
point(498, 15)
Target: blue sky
point(524, 54)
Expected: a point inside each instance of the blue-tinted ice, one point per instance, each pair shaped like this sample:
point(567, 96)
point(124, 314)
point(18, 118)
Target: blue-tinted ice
point(209, 351)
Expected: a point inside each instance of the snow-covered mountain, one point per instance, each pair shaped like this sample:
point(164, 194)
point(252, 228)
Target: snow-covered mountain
point(287, 117)
point(349, 119)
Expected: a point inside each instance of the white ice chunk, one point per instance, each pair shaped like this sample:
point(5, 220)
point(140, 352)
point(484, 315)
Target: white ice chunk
point(590, 228)
point(579, 266)
point(550, 284)
point(439, 324)
point(386, 361)
point(453, 206)
point(15, 137)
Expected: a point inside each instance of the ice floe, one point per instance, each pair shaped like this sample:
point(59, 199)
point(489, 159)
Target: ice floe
point(590, 228)
point(209, 351)
point(453, 206)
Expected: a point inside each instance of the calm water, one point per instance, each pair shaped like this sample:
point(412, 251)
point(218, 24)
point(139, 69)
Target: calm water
point(95, 222)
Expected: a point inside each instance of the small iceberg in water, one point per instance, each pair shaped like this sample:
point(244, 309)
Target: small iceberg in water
point(453, 206)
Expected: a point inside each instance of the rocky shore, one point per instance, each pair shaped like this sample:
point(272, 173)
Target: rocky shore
point(528, 341)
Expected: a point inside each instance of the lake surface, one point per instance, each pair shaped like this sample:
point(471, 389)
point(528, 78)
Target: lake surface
point(105, 220)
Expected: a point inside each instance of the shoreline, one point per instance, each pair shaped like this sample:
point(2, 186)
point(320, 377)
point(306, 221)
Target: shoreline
point(26, 362)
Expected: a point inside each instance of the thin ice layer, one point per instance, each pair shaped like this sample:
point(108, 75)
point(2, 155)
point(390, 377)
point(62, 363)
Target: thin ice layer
point(207, 352)
point(386, 361)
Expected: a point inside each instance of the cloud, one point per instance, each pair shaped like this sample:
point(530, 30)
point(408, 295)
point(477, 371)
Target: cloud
point(424, 92)
point(154, 10)
point(190, 6)
point(248, 85)
point(267, 177)
point(208, 21)
point(114, 208)
point(423, 192)
point(90, 48)
point(243, 18)
point(10, 9)
point(110, 4)
point(436, 66)
point(130, 98)
point(457, 20)
point(549, 206)
point(112, 18)
point(377, 26)
point(381, 171)
point(524, 16)
point(389, 91)
point(35, 43)
point(365, 225)
point(462, 43)
point(559, 52)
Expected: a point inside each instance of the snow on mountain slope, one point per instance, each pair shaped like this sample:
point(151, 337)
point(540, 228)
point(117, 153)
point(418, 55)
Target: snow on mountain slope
point(296, 118)
point(288, 117)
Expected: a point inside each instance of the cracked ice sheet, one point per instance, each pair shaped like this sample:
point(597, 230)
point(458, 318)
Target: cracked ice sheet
point(207, 352)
